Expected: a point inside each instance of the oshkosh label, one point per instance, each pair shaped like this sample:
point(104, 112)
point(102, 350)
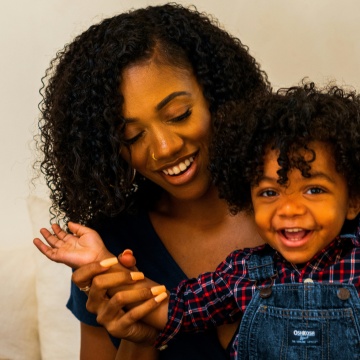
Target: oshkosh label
point(310, 337)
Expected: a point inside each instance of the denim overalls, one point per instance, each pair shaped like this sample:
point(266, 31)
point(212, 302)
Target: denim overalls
point(298, 321)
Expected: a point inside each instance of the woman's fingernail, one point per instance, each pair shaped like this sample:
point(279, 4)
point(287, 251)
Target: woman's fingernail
point(160, 297)
point(109, 262)
point(137, 275)
point(127, 251)
point(156, 290)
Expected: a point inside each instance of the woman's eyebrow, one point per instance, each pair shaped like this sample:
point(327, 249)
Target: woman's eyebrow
point(162, 103)
point(168, 98)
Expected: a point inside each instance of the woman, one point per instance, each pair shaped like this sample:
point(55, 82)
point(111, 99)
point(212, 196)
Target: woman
point(125, 129)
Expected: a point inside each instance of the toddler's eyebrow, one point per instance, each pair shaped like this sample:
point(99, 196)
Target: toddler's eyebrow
point(268, 178)
point(321, 175)
point(315, 174)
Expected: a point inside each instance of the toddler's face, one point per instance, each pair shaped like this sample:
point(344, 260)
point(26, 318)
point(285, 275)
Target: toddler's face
point(303, 217)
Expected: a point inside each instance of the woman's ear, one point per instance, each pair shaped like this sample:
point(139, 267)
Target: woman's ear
point(354, 208)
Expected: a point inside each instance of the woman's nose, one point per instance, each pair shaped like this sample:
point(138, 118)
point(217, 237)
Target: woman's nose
point(165, 143)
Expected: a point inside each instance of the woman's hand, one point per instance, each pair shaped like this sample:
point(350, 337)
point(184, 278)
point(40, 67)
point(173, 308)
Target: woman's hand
point(82, 247)
point(124, 264)
point(124, 322)
point(112, 294)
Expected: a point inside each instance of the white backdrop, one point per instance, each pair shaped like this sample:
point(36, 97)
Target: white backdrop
point(291, 39)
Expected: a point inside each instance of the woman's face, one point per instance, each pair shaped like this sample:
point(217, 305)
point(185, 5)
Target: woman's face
point(168, 125)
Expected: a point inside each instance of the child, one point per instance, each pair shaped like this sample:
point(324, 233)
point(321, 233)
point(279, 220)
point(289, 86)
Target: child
point(295, 162)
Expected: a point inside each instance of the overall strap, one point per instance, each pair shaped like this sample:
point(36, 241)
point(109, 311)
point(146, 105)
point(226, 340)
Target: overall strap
point(261, 267)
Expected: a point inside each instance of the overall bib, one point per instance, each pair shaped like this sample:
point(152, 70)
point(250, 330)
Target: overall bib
point(300, 321)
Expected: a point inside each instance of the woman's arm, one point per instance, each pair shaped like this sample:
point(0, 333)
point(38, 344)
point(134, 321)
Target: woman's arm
point(95, 343)
point(93, 339)
point(131, 351)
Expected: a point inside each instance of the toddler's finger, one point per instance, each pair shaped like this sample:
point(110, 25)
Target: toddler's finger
point(127, 259)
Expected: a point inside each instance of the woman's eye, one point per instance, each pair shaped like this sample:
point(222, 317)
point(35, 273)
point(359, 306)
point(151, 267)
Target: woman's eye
point(268, 193)
point(314, 191)
point(133, 139)
point(181, 117)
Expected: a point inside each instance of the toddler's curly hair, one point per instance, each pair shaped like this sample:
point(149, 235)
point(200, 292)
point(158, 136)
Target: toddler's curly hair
point(288, 121)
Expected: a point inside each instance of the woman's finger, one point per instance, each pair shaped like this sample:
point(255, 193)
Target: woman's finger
point(115, 281)
point(127, 298)
point(83, 276)
point(128, 325)
point(99, 287)
point(138, 312)
point(105, 285)
point(132, 298)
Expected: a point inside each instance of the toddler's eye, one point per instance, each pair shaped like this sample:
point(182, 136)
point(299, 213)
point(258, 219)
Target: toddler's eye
point(314, 191)
point(268, 193)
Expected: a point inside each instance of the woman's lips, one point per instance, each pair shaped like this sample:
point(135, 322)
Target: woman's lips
point(181, 173)
point(181, 167)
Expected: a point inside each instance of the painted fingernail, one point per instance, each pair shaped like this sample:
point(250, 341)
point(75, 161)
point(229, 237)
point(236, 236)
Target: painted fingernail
point(156, 290)
point(109, 262)
point(137, 275)
point(127, 251)
point(160, 297)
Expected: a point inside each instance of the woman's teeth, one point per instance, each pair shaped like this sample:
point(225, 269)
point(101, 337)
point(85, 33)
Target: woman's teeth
point(175, 170)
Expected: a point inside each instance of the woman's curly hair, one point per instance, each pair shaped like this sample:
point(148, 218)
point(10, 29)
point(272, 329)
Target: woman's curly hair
point(287, 121)
point(81, 123)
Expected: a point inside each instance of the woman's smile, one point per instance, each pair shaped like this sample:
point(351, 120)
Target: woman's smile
point(180, 168)
point(169, 134)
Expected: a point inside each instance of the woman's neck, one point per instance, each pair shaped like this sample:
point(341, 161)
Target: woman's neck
point(209, 207)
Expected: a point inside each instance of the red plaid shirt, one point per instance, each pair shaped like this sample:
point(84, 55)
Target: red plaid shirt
point(220, 297)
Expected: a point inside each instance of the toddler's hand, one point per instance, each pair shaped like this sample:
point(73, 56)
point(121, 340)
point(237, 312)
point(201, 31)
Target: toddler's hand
point(82, 247)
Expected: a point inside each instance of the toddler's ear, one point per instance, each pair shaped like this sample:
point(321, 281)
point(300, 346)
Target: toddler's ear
point(354, 208)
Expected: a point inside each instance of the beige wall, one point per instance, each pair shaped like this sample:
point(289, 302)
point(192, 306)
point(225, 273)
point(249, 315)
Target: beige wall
point(290, 38)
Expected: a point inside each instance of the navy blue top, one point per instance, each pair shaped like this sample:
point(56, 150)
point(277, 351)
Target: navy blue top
point(152, 258)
